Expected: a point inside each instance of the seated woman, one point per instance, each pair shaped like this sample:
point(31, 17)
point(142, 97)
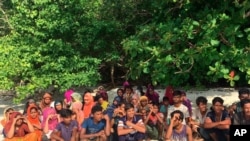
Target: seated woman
point(19, 129)
point(6, 115)
point(30, 102)
point(33, 118)
point(50, 121)
point(58, 106)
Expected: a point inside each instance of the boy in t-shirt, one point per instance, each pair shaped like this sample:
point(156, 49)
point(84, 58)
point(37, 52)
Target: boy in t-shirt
point(66, 130)
point(96, 128)
point(177, 99)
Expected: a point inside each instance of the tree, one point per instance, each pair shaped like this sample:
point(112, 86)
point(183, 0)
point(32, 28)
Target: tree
point(192, 41)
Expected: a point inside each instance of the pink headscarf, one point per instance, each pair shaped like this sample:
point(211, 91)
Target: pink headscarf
point(68, 94)
point(52, 122)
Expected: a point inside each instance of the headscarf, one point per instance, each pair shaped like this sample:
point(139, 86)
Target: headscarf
point(52, 122)
point(169, 94)
point(21, 131)
point(143, 98)
point(77, 97)
point(153, 97)
point(125, 84)
point(56, 103)
point(4, 120)
point(33, 120)
point(67, 95)
point(42, 104)
point(88, 104)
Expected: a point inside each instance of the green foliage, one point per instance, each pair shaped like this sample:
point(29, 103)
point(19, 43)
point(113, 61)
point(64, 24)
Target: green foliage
point(69, 42)
point(192, 41)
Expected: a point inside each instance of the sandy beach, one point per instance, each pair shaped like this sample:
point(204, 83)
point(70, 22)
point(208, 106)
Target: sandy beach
point(229, 95)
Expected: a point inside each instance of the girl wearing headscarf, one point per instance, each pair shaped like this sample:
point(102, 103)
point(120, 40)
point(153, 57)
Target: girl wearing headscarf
point(30, 102)
point(46, 101)
point(19, 129)
point(77, 107)
point(152, 95)
point(50, 120)
point(88, 104)
point(67, 98)
point(169, 94)
point(127, 96)
point(143, 104)
point(33, 118)
point(58, 105)
point(6, 115)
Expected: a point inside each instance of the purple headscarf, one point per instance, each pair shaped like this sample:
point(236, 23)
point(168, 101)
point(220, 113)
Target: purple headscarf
point(68, 94)
point(152, 97)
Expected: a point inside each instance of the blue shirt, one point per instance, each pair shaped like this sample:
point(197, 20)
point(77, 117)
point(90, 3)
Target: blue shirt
point(92, 127)
point(66, 130)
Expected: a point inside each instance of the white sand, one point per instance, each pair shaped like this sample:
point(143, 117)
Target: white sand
point(228, 94)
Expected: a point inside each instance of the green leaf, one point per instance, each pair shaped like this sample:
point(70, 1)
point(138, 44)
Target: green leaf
point(214, 42)
point(236, 77)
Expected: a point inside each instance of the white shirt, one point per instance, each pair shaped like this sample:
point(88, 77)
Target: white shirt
point(182, 108)
point(198, 117)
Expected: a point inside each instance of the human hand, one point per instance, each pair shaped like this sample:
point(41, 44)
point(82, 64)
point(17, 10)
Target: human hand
point(106, 117)
point(175, 118)
point(101, 133)
point(128, 123)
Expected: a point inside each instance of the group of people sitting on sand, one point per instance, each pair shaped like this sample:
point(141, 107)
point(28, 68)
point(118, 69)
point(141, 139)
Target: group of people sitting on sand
point(133, 115)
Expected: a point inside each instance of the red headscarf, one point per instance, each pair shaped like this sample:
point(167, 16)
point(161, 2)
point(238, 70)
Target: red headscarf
point(169, 94)
point(22, 129)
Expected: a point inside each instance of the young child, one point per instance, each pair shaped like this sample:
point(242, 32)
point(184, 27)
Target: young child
point(154, 122)
point(66, 130)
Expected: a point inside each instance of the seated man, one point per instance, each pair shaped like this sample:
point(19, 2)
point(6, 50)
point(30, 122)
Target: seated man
point(243, 117)
point(199, 116)
point(218, 121)
point(177, 131)
point(131, 127)
point(96, 128)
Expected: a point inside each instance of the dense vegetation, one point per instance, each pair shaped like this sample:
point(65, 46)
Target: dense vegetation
point(83, 42)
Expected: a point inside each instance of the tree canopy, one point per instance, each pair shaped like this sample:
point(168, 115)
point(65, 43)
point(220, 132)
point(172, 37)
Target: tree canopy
point(82, 42)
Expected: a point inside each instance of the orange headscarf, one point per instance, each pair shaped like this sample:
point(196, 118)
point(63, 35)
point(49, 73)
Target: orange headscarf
point(88, 104)
point(33, 120)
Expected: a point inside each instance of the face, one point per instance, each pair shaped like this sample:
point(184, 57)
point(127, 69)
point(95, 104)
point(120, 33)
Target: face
point(244, 96)
point(9, 112)
point(115, 102)
point(218, 107)
point(122, 107)
point(47, 100)
point(202, 107)
point(67, 120)
point(100, 100)
point(134, 101)
point(119, 93)
point(19, 121)
point(130, 113)
point(144, 112)
point(151, 91)
point(128, 91)
point(246, 109)
point(155, 109)
point(177, 121)
point(177, 99)
point(33, 113)
point(144, 102)
point(59, 106)
point(166, 103)
point(98, 115)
